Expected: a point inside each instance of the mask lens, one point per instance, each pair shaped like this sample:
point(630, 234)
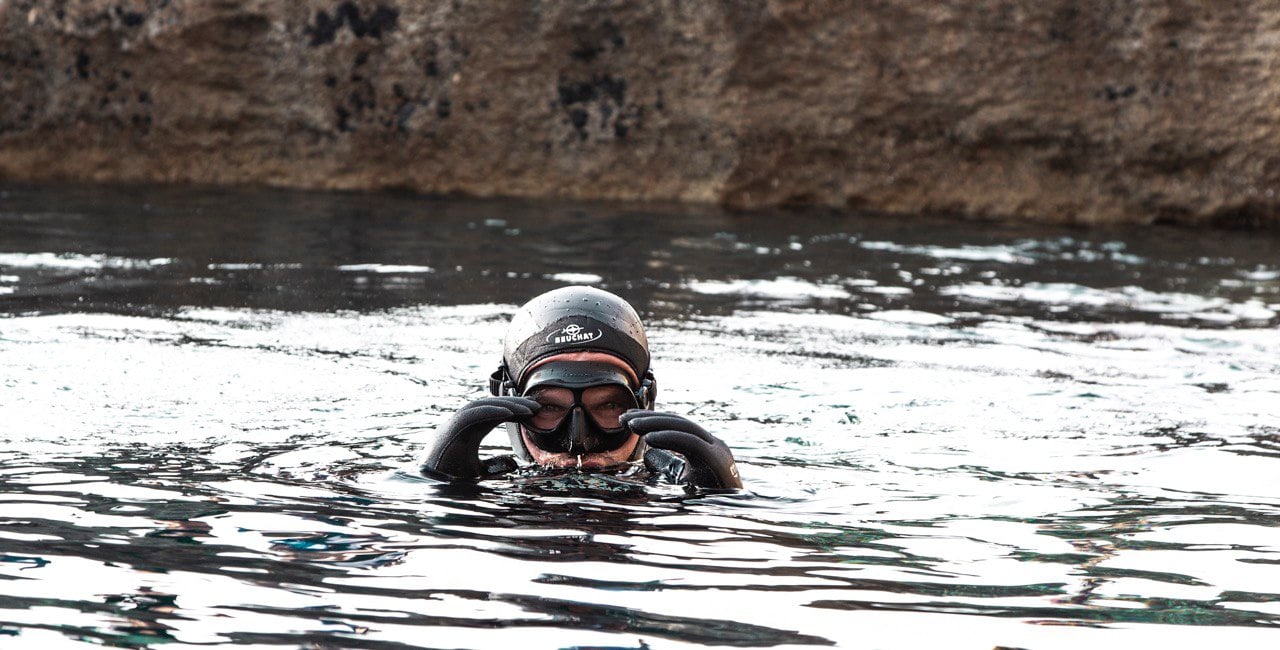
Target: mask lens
point(606, 404)
point(556, 404)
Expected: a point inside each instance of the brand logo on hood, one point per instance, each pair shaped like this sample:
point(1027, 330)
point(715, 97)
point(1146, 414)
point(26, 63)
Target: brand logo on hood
point(573, 334)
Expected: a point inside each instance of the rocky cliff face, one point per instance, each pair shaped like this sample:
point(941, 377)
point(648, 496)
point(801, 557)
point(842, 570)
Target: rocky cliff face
point(1108, 111)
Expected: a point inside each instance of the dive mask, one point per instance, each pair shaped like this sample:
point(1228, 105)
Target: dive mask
point(581, 405)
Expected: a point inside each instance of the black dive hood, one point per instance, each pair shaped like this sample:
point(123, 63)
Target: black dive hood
point(572, 319)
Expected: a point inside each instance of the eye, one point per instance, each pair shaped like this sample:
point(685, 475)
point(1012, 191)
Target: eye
point(559, 398)
point(603, 403)
point(612, 398)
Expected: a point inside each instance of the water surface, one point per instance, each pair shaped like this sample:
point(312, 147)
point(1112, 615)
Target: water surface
point(955, 434)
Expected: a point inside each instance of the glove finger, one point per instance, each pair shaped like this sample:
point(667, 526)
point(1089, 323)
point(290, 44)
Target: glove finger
point(486, 415)
point(682, 442)
point(646, 422)
point(516, 407)
point(709, 464)
point(453, 451)
point(521, 406)
point(632, 414)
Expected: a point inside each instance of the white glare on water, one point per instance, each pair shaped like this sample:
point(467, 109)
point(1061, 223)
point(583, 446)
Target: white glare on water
point(962, 443)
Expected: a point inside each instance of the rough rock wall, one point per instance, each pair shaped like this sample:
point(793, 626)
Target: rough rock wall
point(1054, 110)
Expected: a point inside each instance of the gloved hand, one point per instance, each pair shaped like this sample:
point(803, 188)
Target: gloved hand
point(707, 460)
point(453, 452)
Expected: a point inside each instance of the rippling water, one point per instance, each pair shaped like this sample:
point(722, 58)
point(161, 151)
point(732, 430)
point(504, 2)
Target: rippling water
point(951, 433)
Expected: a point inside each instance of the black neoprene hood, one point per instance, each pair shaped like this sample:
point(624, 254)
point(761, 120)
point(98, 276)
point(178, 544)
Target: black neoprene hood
point(574, 319)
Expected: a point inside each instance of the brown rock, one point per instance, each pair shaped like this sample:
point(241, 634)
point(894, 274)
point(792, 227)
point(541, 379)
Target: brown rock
point(1114, 111)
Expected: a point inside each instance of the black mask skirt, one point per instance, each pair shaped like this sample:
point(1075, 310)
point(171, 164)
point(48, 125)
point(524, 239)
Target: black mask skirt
point(587, 425)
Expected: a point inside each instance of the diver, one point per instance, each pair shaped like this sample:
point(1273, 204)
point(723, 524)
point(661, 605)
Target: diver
point(575, 390)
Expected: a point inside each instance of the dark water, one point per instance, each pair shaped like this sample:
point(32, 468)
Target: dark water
point(953, 434)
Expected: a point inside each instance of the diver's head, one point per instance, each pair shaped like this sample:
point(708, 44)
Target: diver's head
point(581, 353)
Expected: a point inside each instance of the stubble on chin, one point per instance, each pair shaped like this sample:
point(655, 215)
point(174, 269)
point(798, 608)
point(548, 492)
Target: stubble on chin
point(595, 460)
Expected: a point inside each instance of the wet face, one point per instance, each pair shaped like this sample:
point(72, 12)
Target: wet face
point(580, 426)
point(596, 460)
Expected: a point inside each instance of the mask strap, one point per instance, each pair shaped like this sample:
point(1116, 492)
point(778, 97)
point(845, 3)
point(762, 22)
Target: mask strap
point(500, 382)
point(648, 391)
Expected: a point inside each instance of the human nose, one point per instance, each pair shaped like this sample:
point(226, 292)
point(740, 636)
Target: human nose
point(577, 431)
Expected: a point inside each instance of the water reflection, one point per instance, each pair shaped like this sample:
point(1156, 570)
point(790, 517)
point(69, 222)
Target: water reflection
point(1030, 438)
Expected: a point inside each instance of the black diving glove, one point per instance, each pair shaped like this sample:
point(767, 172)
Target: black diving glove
point(453, 452)
point(707, 460)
